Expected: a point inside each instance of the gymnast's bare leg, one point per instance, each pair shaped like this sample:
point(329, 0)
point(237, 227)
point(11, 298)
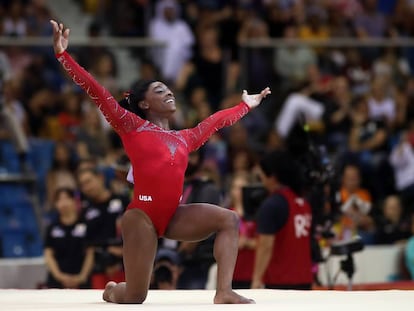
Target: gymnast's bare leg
point(139, 249)
point(194, 222)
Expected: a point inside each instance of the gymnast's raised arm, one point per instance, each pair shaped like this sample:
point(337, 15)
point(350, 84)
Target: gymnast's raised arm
point(121, 120)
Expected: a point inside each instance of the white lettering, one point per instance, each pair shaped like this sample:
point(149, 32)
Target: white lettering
point(145, 198)
point(302, 225)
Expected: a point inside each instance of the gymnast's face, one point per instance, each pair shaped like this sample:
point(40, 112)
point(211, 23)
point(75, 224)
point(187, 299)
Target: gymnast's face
point(159, 100)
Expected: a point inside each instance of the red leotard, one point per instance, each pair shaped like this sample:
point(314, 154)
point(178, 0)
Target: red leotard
point(158, 156)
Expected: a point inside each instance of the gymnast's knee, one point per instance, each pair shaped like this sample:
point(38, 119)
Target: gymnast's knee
point(232, 220)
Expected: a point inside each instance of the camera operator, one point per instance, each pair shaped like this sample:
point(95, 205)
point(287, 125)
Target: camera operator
point(283, 253)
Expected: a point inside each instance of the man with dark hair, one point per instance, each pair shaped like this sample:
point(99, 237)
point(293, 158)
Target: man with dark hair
point(283, 253)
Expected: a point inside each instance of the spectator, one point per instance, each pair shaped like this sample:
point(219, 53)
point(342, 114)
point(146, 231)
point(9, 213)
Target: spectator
point(337, 116)
point(14, 123)
point(87, 55)
point(315, 27)
point(102, 211)
point(91, 138)
point(68, 257)
point(296, 106)
point(370, 22)
point(355, 205)
point(167, 269)
point(391, 66)
point(15, 24)
point(291, 62)
point(163, 278)
point(167, 26)
point(283, 253)
point(402, 161)
point(60, 175)
point(381, 105)
point(70, 117)
point(392, 226)
point(368, 148)
point(258, 60)
point(208, 69)
point(104, 69)
point(357, 71)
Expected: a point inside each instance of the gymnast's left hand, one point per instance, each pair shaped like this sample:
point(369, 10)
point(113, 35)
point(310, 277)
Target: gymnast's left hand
point(60, 37)
point(255, 99)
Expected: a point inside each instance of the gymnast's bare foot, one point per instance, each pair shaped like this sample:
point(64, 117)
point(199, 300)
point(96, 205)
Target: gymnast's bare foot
point(108, 290)
point(230, 297)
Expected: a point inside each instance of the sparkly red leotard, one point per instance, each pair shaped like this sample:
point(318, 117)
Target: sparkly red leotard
point(158, 156)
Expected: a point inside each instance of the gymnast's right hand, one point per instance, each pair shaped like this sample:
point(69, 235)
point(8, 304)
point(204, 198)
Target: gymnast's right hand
point(60, 37)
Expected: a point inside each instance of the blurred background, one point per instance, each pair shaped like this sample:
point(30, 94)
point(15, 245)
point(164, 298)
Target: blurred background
point(340, 69)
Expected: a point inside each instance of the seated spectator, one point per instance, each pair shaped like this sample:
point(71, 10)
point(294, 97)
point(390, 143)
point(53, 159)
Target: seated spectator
point(337, 116)
point(14, 23)
point(370, 22)
point(104, 70)
point(381, 105)
point(368, 148)
point(167, 269)
point(392, 226)
point(69, 118)
point(68, 257)
point(290, 62)
point(355, 205)
point(101, 211)
point(163, 278)
point(91, 138)
point(61, 173)
point(357, 71)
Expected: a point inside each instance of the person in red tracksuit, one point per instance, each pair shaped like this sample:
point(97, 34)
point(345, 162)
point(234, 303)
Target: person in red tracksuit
point(159, 158)
point(283, 251)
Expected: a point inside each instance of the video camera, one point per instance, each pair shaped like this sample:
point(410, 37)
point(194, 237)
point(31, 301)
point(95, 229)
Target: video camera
point(313, 164)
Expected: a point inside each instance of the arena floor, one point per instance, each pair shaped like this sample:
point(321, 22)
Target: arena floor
point(275, 300)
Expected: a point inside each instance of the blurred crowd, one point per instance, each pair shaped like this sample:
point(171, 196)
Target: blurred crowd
point(355, 101)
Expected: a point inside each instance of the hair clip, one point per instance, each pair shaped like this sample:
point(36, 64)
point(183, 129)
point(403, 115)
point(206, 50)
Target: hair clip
point(127, 97)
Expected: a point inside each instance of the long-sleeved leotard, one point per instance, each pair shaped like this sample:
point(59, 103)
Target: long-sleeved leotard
point(158, 156)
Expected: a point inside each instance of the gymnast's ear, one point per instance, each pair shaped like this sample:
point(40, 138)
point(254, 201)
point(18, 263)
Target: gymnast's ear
point(143, 105)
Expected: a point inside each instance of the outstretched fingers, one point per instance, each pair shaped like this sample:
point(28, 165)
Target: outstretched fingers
point(265, 92)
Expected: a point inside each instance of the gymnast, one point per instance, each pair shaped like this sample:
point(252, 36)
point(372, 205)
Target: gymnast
point(159, 157)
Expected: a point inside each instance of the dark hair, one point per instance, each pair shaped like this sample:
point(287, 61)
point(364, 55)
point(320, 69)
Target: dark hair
point(163, 274)
point(131, 100)
point(280, 164)
point(93, 170)
point(69, 191)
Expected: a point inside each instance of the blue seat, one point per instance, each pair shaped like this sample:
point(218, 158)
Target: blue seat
point(34, 245)
point(18, 216)
point(14, 243)
point(9, 157)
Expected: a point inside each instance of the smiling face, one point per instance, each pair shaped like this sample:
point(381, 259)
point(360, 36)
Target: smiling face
point(159, 100)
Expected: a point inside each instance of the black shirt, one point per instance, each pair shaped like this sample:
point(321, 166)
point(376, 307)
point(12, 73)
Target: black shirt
point(102, 218)
point(273, 214)
point(68, 243)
